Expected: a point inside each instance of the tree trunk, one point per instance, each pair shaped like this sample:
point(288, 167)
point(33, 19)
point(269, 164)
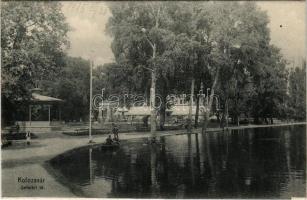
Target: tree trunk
point(218, 117)
point(207, 113)
point(238, 120)
point(19, 37)
point(227, 112)
point(266, 120)
point(162, 116)
point(256, 119)
point(197, 112)
point(163, 110)
point(153, 97)
point(191, 105)
point(197, 104)
point(222, 121)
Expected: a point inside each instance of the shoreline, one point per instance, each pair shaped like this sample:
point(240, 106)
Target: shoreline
point(142, 135)
point(20, 161)
point(60, 143)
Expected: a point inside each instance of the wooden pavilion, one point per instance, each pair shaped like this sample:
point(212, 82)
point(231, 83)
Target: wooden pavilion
point(44, 113)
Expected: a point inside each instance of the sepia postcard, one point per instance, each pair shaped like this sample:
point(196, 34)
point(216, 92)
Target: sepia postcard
point(153, 99)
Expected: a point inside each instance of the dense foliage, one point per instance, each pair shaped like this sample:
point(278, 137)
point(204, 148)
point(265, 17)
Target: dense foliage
point(227, 48)
point(33, 41)
point(72, 85)
point(224, 48)
point(297, 93)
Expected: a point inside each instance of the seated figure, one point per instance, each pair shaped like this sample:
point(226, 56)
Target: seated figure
point(109, 140)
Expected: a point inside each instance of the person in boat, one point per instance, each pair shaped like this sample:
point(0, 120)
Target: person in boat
point(115, 140)
point(109, 140)
point(115, 131)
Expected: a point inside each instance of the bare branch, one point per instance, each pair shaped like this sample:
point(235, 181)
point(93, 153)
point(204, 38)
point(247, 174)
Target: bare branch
point(151, 44)
point(148, 68)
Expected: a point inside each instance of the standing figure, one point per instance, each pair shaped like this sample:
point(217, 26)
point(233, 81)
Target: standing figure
point(115, 131)
point(28, 137)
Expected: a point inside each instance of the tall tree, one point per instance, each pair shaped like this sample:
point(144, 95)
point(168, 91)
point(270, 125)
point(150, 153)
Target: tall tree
point(225, 47)
point(141, 37)
point(242, 42)
point(71, 85)
point(297, 92)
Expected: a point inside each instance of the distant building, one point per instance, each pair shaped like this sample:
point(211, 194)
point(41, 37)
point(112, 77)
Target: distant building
point(139, 111)
point(174, 114)
point(106, 111)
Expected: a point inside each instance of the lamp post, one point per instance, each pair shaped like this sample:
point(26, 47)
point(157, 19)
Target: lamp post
point(191, 106)
point(91, 94)
point(152, 88)
point(100, 108)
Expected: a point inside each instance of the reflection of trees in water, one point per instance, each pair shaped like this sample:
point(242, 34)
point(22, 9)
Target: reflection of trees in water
point(297, 146)
point(191, 160)
point(230, 163)
point(90, 161)
point(74, 166)
point(237, 164)
point(249, 163)
point(244, 164)
point(138, 173)
point(295, 155)
point(124, 171)
point(268, 165)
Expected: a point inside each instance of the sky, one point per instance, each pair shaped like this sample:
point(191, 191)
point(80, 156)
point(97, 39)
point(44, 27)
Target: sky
point(89, 40)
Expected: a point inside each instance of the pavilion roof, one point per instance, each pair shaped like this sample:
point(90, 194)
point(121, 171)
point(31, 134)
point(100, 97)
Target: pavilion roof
point(42, 98)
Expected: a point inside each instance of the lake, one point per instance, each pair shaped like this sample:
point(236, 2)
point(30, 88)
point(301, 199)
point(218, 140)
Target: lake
point(249, 163)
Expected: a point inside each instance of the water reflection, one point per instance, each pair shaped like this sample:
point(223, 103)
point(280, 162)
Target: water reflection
point(153, 163)
point(91, 178)
point(254, 163)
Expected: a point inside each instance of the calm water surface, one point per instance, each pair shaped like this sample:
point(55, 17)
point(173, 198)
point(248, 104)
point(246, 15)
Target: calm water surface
point(251, 163)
